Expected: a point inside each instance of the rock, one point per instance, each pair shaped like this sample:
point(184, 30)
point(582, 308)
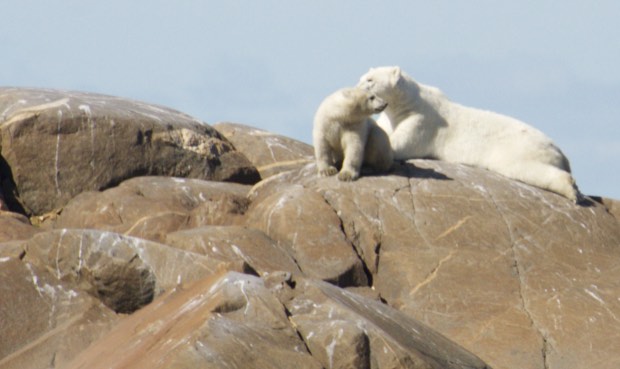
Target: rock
point(345, 330)
point(507, 270)
point(270, 153)
point(233, 320)
point(14, 226)
point(44, 322)
point(259, 253)
point(125, 273)
point(319, 247)
point(151, 207)
point(612, 205)
point(225, 321)
point(434, 265)
point(58, 144)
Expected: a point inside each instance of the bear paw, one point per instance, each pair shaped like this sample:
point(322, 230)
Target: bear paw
point(329, 171)
point(347, 176)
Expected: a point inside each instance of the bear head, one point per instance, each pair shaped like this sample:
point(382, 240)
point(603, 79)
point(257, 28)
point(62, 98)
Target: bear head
point(360, 104)
point(381, 81)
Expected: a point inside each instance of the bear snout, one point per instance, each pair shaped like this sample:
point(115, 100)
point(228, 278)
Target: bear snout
point(379, 109)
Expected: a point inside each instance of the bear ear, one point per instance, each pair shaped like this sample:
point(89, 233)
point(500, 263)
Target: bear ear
point(396, 74)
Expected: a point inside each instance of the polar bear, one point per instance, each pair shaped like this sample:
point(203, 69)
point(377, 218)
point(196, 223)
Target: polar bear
point(344, 132)
point(422, 123)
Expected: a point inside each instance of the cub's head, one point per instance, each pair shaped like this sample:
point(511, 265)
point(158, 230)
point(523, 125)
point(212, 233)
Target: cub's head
point(361, 103)
point(381, 81)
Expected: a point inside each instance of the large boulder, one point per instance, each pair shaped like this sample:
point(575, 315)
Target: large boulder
point(58, 143)
point(507, 270)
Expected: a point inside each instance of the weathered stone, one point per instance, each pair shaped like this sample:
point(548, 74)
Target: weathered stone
point(44, 322)
point(151, 207)
point(233, 243)
point(269, 152)
point(613, 206)
point(301, 221)
point(14, 226)
point(505, 269)
point(363, 333)
point(519, 276)
point(125, 273)
point(224, 321)
point(60, 143)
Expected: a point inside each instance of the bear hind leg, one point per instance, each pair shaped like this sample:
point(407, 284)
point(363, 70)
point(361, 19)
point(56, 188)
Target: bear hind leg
point(548, 177)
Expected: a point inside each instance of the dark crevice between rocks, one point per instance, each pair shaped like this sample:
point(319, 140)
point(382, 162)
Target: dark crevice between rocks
point(290, 284)
point(8, 189)
point(354, 245)
point(519, 274)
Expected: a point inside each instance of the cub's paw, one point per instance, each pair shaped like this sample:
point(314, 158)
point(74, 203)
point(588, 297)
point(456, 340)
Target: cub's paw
point(347, 176)
point(329, 171)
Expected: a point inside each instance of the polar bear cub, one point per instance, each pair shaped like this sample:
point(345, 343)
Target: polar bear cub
point(422, 123)
point(344, 132)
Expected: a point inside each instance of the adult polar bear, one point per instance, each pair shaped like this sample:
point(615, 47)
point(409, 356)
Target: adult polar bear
point(423, 123)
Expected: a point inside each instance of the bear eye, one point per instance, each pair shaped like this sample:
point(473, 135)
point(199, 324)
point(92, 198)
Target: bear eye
point(372, 98)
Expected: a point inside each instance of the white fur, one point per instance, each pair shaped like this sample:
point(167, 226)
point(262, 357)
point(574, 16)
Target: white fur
point(344, 133)
point(422, 123)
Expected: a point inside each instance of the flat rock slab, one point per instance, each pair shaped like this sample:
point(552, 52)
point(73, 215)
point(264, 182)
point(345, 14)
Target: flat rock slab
point(151, 207)
point(259, 253)
point(57, 144)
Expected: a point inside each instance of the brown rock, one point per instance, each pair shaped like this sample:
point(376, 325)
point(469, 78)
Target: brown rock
point(44, 322)
point(14, 226)
point(60, 143)
point(151, 207)
point(125, 273)
point(303, 223)
point(259, 253)
point(270, 153)
point(613, 206)
point(509, 271)
point(345, 330)
point(225, 321)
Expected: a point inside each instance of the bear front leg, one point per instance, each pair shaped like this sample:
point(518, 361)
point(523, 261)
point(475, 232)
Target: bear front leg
point(324, 159)
point(353, 156)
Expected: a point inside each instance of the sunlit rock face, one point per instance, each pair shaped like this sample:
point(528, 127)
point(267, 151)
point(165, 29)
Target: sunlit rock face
point(57, 144)
point(434, 265)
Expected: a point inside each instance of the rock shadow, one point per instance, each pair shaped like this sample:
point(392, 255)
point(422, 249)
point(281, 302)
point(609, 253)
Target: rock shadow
point(409, 170)
point(9, 189)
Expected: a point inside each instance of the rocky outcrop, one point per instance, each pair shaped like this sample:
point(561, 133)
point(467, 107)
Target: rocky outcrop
point(57, 144)
point(270, 153)
point(434, 265)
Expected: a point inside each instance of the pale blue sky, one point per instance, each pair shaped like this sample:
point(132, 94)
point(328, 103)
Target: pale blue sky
point(552, 64)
